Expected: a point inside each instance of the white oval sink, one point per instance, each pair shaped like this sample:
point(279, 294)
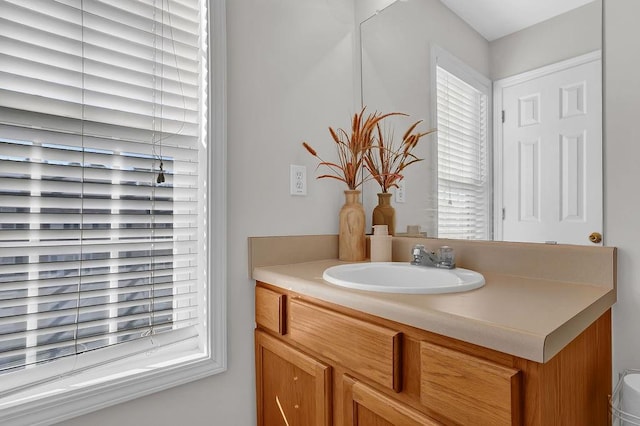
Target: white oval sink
point(399, 277)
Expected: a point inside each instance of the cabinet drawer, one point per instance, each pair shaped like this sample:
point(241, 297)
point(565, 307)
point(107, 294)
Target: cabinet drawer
point(365, 406)
point(469, 390)
point(360, 346)
point(270, 310)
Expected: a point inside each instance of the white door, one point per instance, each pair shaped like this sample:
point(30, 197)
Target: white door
point(552, 155)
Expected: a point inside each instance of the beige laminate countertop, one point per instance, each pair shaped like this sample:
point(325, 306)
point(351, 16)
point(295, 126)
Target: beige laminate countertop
point(532, 318)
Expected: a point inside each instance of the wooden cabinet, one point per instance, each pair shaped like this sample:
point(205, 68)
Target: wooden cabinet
point(292, 387)
point(322, 364)
point(365, 348)
point(467, 389)
point(364, 406)
point(270, 310)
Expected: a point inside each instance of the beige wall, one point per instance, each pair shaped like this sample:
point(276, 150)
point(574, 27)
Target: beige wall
point(290, 74)
point(568, 35)
point(621, 172)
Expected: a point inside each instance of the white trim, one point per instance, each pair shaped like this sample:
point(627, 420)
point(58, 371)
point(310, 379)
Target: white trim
point(498, 87)
point(459, 68)
point(547, 69)
point(176, 364)
point(218, 183)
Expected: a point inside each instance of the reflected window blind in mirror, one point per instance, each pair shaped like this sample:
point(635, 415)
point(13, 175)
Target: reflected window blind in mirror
point(464, 194)
point(103, 167)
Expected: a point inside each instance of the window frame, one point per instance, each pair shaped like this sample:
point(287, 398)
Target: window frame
point(453, 65)
point(174, 365)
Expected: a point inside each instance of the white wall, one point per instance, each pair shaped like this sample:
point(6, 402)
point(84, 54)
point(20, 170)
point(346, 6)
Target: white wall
point(621, 172)
point(290, 75)
point(565, 36)
point(364, 9)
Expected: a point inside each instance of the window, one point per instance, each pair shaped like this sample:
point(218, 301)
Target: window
point(111, 188)
point(462, 115)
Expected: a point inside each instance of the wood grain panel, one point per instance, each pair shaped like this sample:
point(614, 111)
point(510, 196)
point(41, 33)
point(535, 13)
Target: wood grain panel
point(291, 385)
point(270, 310)
point(364, 406)
point(572, 388)
point(366, 417)
point(363, 347)
point(469, 390)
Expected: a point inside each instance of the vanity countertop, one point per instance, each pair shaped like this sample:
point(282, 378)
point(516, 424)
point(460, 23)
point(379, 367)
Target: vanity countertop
point(528, 317)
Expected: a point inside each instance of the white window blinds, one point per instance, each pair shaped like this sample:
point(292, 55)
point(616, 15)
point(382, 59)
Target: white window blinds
point(100, 100)
point(463, 171)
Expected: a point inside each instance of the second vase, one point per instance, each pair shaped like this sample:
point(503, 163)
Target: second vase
point(384, 213)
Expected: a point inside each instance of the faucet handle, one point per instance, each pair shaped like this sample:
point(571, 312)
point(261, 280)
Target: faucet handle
point(418, 247)
point(417, 253)
point(447, 257)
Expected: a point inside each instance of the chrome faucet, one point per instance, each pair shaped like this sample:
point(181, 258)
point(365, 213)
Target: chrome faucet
point(422, 257)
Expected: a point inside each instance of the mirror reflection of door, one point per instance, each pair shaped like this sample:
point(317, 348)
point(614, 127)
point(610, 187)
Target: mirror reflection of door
point(551, 142)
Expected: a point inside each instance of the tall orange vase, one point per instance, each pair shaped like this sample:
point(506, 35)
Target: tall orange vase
point(351, 239)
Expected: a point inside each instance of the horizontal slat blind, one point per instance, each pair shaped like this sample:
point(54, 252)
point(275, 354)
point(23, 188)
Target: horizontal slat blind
point(94, 95)
point(463, 184)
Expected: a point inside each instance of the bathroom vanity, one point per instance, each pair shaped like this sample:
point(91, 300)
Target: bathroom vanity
point(531, 347)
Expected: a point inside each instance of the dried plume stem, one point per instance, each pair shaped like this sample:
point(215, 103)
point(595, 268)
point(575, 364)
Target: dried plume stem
point(353, 148)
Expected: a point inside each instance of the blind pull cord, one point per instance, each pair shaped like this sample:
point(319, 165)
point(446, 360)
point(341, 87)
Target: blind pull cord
point(160, 178)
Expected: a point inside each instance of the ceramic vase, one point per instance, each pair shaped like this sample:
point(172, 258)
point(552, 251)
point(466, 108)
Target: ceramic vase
point(384, 213)
point(351, 239)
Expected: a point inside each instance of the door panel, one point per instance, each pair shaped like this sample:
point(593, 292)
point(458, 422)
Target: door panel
point(552, 156)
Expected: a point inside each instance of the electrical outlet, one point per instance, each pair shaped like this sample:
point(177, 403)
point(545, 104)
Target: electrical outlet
point(298, 180)
point(400, 192)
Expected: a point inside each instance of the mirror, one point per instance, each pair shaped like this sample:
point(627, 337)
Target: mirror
point(410, 48)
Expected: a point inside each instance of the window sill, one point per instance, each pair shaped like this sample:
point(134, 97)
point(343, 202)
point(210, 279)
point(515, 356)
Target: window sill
point(108, 385)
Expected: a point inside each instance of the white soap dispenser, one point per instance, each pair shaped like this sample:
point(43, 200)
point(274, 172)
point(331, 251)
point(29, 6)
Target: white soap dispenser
point(381, 243)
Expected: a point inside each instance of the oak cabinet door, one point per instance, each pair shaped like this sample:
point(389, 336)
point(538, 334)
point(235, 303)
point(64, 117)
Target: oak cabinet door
point(365, 406)
point(293, 388)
